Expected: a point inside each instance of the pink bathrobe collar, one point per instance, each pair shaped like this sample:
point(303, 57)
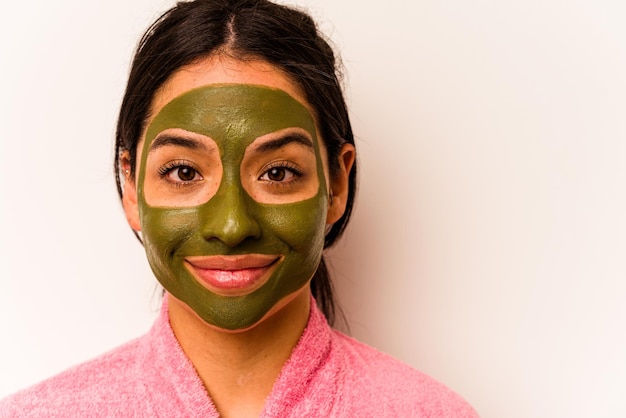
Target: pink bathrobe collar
point(290, 388)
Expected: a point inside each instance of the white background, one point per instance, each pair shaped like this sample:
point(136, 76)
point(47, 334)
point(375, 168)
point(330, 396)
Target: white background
point(488, 246)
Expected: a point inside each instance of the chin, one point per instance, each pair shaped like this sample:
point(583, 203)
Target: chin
point(287, 305)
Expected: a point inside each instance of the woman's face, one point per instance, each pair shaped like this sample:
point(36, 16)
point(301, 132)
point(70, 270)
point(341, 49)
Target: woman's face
point(231, 193)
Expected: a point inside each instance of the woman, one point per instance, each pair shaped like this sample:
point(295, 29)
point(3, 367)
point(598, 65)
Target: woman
point(236, 167)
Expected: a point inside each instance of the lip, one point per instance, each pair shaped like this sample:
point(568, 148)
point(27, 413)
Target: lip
point(233, 275)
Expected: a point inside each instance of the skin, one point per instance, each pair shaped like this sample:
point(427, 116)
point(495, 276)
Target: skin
point(238, 367)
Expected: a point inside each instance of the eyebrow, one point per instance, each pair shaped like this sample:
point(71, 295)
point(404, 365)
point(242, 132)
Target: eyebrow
point(164, 140)
point(277, 143)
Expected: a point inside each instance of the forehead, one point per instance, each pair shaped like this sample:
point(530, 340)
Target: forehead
point(232, 112)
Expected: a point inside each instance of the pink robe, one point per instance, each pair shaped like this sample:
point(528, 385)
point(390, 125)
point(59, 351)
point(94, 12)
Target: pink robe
point(327, 375)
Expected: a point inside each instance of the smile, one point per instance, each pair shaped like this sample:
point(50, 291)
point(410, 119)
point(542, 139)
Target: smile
point(234, 275)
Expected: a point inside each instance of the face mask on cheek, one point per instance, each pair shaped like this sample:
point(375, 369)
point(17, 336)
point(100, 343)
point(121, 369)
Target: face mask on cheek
point(234, 250)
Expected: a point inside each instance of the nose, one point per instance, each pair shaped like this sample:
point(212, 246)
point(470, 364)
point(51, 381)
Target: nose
point(227, 217)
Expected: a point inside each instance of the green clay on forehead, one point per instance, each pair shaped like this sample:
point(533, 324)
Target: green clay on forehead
point(232, 222)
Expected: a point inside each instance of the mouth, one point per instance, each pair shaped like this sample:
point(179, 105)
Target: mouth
point(233, 275)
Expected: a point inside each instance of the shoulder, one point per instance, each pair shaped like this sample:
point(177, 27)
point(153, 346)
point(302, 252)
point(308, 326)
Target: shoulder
point(385, 386)
point(83, 389)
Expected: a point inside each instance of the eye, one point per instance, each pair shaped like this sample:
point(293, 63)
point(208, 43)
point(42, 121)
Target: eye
point(183, 174)
point(180, 172)
point(279, 174)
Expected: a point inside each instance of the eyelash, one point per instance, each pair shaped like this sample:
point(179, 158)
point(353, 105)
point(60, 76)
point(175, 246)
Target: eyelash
point(171, 166)
point(285, 165)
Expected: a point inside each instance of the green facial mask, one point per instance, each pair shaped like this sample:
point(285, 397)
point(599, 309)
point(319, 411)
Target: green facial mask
point(230, 221)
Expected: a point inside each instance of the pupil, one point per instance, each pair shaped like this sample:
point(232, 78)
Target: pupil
point(276, 174)
point(186, 173)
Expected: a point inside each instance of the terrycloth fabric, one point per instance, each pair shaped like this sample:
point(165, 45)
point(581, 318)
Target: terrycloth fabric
point(327, 375)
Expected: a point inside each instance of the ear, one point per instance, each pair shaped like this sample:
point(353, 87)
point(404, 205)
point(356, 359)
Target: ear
point(339, 184)
point(129, 196)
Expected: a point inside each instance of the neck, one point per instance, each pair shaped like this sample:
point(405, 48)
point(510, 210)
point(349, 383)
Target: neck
point(238, 369)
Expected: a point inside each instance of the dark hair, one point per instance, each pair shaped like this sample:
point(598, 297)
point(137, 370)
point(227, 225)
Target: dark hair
point(243, 29)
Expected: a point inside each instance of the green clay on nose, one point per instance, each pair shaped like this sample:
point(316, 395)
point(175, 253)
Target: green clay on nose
point(234, 116)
